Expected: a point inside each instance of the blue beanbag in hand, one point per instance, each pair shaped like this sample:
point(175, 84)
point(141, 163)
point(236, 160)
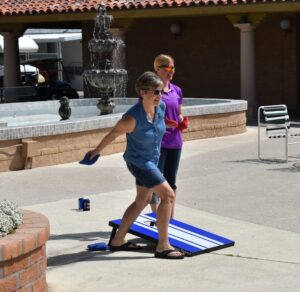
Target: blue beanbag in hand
point(87, 161)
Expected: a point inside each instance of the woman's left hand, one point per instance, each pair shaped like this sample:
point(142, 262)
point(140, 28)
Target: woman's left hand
point(184, 124)
point(180, 117)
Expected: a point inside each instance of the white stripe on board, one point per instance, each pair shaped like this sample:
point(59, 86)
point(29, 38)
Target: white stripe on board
point(187, 231)
point(170, 236)
point(181, 235)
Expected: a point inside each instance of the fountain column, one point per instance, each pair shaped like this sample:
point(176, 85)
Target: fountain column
point(101, 74)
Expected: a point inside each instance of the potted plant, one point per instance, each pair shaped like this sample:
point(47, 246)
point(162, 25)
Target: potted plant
point(10, 217)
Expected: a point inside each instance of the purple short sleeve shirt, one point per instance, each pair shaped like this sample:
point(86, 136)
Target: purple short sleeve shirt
point(172, 138)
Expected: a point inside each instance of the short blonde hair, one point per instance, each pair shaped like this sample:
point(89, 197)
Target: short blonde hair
point(146, 81)
point(162, 59)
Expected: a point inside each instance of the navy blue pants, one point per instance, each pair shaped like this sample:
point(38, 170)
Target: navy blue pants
point(168, 164)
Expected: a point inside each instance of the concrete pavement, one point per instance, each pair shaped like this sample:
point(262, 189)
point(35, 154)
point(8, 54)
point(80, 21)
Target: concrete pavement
point(222, 188)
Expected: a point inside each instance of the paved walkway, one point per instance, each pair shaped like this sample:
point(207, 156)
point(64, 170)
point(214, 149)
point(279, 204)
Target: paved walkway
point(222, 188)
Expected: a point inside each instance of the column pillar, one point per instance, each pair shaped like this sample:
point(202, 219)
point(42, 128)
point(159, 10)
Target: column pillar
point(87, 34)
point(248, 74)
point(11, 59)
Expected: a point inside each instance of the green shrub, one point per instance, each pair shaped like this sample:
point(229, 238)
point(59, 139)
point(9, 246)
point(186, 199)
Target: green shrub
point(10, 217)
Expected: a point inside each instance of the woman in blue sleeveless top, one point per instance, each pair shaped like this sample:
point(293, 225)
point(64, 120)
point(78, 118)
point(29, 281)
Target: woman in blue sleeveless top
point(144, 127)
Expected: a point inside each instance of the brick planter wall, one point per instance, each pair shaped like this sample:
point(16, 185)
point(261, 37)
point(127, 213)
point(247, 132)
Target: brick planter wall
point(23, 259)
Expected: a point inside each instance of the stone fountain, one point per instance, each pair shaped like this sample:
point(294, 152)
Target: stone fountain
point(100, 74)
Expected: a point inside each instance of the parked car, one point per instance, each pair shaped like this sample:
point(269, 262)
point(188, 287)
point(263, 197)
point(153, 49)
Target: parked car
point(46, 79)
point(25, 70)
point(39, 81)
point(23, 92)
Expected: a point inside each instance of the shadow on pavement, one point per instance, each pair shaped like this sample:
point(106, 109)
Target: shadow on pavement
point(295, 167)
point(292, 169)
point(67, 259)
point(106, 255)
point(88, 236)
point(260, 161)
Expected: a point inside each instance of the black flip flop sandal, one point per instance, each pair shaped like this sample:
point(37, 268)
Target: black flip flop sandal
point(165, 254)
point(128, 246)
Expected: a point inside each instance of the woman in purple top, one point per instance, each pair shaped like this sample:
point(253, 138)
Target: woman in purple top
point(172, 141)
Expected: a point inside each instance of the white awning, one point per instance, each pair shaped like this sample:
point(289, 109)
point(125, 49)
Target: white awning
point(56, 37)
point(26, 45)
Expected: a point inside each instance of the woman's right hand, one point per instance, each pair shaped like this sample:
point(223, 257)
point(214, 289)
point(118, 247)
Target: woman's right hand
point(170, 123)
point(93, 153)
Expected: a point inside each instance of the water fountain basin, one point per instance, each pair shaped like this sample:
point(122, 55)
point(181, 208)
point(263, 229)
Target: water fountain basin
point(32, 134)
point(103, 46)
point(105, 78)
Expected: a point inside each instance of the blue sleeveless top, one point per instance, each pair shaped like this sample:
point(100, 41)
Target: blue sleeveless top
point(143, 144)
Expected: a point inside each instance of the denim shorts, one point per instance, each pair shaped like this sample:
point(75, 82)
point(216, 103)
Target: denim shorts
point(147, 178)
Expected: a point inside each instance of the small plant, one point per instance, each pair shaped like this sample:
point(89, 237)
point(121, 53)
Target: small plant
point(10, 217)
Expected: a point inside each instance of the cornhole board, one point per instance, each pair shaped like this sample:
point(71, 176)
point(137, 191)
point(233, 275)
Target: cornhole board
point(190, 239)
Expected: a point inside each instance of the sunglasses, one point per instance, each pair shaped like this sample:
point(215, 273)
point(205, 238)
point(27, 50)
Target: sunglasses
point(167, 68)
point(155, 92)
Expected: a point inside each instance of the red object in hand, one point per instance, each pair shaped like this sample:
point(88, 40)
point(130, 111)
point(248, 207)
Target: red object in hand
point(170, 123)
point(184, 124)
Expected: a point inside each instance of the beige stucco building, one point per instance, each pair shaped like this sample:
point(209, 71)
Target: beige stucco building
point(242, 49)
point(223, 49)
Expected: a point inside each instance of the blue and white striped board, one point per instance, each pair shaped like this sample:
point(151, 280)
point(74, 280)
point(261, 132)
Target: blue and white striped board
point(190, 239)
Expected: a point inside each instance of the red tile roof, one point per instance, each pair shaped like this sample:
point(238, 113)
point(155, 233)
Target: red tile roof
point(25, 7)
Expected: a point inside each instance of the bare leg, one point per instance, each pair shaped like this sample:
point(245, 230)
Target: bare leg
point(164, 212)
point(154, 207)
point(173, 206)
point(154, 202)
point(131, 213)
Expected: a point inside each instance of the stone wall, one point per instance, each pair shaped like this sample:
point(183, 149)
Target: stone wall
point(59, 149)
